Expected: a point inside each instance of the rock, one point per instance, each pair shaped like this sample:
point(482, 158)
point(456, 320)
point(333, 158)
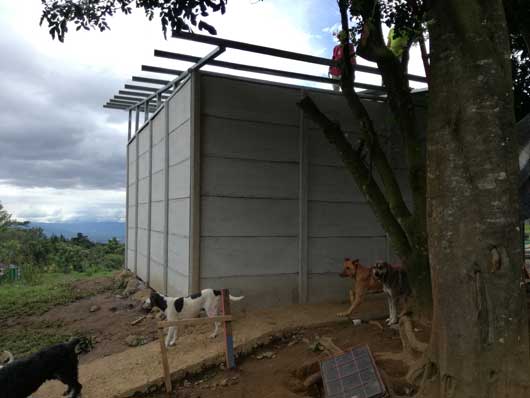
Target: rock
point(134, 341)
point(224, 383)
point(137, 320)
point(95, 308)
point(267, 355)
point(131, 287)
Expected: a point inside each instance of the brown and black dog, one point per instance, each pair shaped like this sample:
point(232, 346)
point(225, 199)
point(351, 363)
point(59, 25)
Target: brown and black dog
point(363, 281)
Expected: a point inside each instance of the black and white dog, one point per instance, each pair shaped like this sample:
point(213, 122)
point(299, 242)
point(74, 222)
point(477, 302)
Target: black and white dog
point(22, 377)
point(177, 308)
point(395, 285)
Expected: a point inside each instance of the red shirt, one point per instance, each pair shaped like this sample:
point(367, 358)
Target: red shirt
point(337, 56)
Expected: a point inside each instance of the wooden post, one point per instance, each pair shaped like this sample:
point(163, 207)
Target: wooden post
point(229, 338)
point(165, 362)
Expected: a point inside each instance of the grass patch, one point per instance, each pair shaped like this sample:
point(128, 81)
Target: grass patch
point(21, 341)
point(23, 299)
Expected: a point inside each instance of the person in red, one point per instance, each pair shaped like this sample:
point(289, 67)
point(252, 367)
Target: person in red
point(335, 71)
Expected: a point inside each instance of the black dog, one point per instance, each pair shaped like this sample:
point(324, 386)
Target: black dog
point(22, 377)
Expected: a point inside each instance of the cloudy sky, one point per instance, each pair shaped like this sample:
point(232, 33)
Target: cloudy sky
point(62, 156)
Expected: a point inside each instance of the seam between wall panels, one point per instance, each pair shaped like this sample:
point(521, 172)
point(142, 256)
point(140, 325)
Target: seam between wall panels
point(149, 202)
point(166, 196)
point(195, 186)
point(129, 126)
point(303, 212)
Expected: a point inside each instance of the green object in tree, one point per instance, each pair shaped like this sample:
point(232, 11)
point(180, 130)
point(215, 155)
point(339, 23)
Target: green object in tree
point(397, 43)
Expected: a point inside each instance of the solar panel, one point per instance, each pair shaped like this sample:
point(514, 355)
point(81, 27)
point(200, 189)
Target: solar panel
point(352, 375)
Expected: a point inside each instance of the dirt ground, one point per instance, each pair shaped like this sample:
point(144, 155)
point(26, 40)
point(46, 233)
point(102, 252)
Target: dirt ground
point(105, 326)
point(275, 377)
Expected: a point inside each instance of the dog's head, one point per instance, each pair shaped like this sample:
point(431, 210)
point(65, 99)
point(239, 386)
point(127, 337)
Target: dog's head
point(155, 300)
point(5, 358)
point(349, 268)
point(380, 270)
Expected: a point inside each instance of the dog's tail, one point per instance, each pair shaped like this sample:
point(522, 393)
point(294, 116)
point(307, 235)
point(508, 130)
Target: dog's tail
point(236, 298)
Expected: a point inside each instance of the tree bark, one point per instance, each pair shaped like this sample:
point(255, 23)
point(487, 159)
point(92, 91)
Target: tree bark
point(479, 342)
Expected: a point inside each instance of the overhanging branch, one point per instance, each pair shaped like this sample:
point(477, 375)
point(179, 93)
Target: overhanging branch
point(361, 175)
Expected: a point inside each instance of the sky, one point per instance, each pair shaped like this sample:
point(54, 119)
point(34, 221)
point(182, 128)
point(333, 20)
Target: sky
point(62, 155)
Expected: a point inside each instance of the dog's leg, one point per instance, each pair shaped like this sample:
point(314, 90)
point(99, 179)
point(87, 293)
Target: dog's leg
point(70, 378)
point(171, 337)
point(352, 297)
point(359, 293)
point(216, 329)
point(393, 310)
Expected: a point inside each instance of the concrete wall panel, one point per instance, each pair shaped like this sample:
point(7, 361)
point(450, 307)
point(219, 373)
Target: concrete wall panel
point(333, 184)
point(143, 167)
point(142, 215)
point(159, 127)
point(142, 241)
point(132, 215)
point(342, 219)
point(255, 179)
point(248, 217)
point(158, 156)
point(180, 106)
point(141, 270)
point(143, 139)
point(177, 284)
point(130, 259)
point(260, 291)
point(179, 144)
point(179, 180)
point(178, 252)
point(158, 186)
point(157, 216)
point(329, 288)
point(244, 139)
point(143, 191)
point(132, 173)
point(157, 245)
point(327, 254)
point(238, 99)
point(236, 256)
point(179, 216)
point(156, 277)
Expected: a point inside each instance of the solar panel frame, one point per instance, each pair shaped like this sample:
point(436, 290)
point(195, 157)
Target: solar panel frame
point(352, 374)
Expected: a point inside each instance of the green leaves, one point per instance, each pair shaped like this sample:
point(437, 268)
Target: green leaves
point(175, 15)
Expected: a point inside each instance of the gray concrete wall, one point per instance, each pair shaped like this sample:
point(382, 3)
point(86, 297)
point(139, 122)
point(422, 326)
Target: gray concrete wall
point(249, 189)
point(251, 195)
point(158, 249)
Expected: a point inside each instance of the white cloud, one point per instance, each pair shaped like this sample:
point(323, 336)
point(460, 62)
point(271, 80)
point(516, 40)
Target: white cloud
point(56, 205)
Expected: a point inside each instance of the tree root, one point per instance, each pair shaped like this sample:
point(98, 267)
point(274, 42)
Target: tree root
point(411, 344)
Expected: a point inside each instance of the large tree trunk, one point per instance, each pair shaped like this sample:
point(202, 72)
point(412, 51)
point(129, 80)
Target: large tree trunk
point(479, 343)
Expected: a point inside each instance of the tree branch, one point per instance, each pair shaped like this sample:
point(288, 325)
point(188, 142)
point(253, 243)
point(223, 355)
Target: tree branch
point(361, 175)
point(401, 105)
point(391, 187)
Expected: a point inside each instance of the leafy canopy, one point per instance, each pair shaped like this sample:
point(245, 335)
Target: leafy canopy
point(178, 15)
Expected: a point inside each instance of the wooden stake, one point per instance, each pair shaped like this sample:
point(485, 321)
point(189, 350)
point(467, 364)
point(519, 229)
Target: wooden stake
point(165, 363)
point(229, 338)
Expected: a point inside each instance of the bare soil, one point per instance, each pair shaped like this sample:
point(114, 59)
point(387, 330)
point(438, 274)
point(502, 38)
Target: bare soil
point(275, 377)
point(107, 327)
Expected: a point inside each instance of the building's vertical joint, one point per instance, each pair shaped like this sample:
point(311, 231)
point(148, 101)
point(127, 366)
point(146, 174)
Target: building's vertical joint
point(136, 190)
point(166, 197)
point(194, 278)
point(136, 119)
point(146, 111)
point(149, 202)
point(129, 127)
point(303, 188)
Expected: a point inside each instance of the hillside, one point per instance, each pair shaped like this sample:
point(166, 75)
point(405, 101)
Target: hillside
point(96, 231)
